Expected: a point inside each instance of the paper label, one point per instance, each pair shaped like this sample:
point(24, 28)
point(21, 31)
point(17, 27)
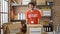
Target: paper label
point(32, 21)
point(47, 13)
point(35, 30)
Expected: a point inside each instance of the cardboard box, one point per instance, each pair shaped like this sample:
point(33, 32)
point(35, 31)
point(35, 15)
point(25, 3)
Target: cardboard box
point(34, 29)
point(41, 2)
point(20, 33)
point(13, 31)
point(5, 25)
point(44, 33)
point(49, 32)
point(13, 28)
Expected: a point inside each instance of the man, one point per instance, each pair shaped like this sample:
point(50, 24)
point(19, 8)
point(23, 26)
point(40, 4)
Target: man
point(32, 15)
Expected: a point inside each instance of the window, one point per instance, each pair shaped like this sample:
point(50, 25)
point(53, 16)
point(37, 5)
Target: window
point(4, 12)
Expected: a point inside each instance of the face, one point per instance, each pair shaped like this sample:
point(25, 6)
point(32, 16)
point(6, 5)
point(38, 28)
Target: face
point(31, 6)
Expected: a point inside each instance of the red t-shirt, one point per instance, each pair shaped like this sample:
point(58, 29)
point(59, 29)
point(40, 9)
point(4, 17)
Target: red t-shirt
point(33, 16)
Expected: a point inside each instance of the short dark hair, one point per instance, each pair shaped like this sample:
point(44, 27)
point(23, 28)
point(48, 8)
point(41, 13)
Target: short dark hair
point(32, 3)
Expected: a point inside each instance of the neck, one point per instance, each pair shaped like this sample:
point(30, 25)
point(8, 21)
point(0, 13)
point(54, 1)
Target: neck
point(32, 10)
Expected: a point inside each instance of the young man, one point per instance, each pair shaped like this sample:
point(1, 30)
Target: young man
point(32, 15)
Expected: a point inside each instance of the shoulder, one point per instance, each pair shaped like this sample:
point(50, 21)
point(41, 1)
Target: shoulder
point(27, 11)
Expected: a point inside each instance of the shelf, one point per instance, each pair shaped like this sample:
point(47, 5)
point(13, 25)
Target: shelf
point(20, 5)
point(16, 5)
point(27, 5)
point(46, 16)
point(43, 5)
point(17, 20)
point(37, 5)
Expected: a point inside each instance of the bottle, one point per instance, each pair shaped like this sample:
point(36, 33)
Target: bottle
point(18, 16)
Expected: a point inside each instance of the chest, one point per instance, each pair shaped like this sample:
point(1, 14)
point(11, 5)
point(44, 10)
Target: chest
point(33, 14)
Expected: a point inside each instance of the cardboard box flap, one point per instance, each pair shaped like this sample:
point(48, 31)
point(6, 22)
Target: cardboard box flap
point(5, 25)
point(34, 29)
point(14, 26)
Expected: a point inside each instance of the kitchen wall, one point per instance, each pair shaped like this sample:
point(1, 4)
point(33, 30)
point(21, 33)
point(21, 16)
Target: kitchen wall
point(23, 9)
point(56, 12)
